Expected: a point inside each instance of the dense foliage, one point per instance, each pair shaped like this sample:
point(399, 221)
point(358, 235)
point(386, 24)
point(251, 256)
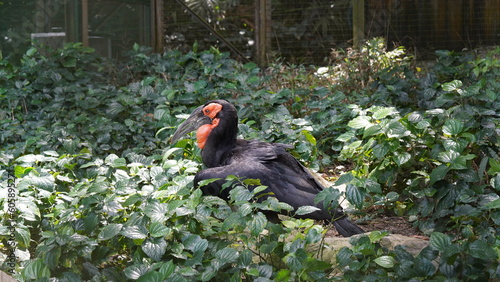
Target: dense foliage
point(92, 189)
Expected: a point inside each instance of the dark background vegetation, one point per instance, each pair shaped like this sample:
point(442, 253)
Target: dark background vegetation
point(300, 31)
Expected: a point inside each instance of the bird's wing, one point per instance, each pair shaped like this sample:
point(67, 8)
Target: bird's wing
point(285, 177)
point(277, 169)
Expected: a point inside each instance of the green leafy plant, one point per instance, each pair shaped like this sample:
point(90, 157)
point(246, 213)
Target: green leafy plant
point(101, 195)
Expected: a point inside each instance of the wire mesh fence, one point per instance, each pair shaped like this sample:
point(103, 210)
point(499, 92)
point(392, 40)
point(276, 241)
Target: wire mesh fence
point(300, 31)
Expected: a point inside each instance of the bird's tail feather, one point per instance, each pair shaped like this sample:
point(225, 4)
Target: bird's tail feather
point(346, 228)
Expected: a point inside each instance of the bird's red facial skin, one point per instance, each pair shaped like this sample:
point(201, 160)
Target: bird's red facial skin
point(204, 131)
point(212, 109)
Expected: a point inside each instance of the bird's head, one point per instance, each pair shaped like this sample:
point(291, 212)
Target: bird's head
point(216, 121)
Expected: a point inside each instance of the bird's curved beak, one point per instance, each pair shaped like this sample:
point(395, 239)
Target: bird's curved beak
point(192, 123)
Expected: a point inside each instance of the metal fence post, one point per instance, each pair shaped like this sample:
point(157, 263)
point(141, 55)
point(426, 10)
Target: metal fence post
point(358, 22)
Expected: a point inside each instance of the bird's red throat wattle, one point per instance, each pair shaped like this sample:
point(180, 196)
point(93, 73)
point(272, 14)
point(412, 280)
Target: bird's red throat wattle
point(210, 110)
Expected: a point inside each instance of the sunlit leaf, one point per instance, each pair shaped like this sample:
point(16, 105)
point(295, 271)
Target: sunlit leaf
point(360, 122)
point(383, 112)
point(452, 86)
point(401, 159)
point(134, 232)
point(135, 271)
point(306, 210)
point(154, 248)
point(385, 261)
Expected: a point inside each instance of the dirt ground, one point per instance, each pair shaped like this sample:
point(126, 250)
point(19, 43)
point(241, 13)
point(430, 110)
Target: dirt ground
point(395, 225)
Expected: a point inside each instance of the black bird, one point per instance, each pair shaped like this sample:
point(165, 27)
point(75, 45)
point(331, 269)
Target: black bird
point(223, 154)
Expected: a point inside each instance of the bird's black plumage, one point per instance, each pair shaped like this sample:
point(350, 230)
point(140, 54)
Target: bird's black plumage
point(224, 155)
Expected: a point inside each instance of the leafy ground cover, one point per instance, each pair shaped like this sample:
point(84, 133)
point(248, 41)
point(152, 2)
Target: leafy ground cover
point(92, 189)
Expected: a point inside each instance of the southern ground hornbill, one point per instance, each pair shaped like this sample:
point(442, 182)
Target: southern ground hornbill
point(223, 154)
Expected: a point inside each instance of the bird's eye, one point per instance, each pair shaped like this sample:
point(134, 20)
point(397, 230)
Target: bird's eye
point(207, 111)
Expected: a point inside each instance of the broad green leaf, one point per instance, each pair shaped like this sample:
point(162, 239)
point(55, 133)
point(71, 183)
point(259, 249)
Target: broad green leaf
point(120, 162)
point(376, 236)
point(135, 271)
point(360, 122)
point(31, 51)
point(401, 159)
point(495, 204)
point(372, 130)
point(241, 194)
point(265, 271)
point(494, 166)
point(448, 156)
point(210, 272)
point(344, 179)
point(438, 173)
point(151, 277)
point(456, 145)
point(314, 234)
point(495, 182)
point(90, 222)
point(158, 211)
point(257, 224)
point(381, 150)
point(51, 257)
point(355, 144)
point(385, 261)
point(440, 241)
point(134, 232)
point(259, 189)
point(23, 237)
point(268, 248)
point(383, 112)
point(289, 223)
point(415, 117)
point(36, 269)
point(154, 248)
point(482, 250)
point(309, 137)
point(293, 262)
point(194, 243)
point(20, 171)
point(109, 231)
point(452, 86)
point(245, 258)
point(283, 275)
point(157, 229)
point(28, 208)
point(199, 85)
point(306, 210)
point(355, 195)
point(453, 127)
point(167, 268)
point(343, 256)
point(424, 267)
point(227, 255)
point(346, 136)
point(69, 62)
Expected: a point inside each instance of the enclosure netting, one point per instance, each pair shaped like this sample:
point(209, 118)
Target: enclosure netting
point(301, 31)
